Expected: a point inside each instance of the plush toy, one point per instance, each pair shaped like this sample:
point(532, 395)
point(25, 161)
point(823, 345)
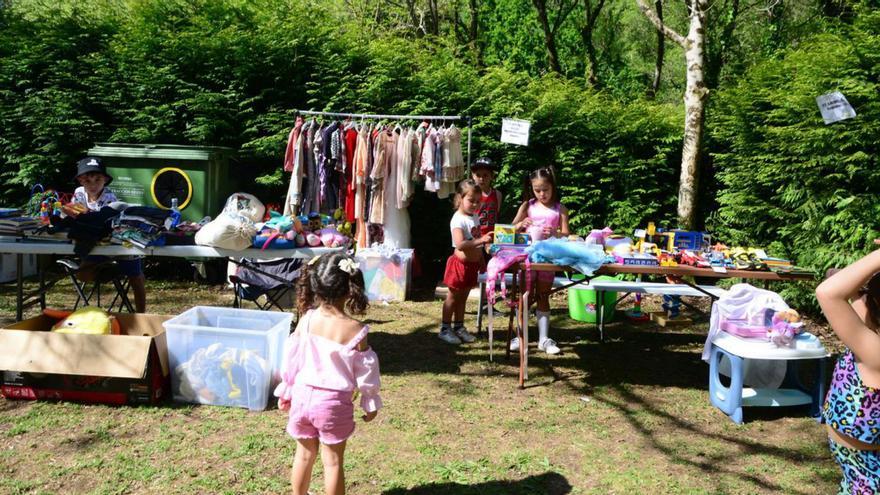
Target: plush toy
point(330, 237)
point(786, 325)
point(315, 222)
point(598, 236)
point(313, 240)
point(88, 321)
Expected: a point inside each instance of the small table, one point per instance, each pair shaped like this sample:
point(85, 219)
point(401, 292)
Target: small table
point(521, 291)
point(732, 399)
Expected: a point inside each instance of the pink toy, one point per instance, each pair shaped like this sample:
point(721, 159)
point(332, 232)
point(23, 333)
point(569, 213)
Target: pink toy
point(331, 237)
point(598, 236)
point(313, 240)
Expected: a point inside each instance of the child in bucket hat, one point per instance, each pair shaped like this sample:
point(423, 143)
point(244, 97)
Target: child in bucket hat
point(94, 194)
point(93, 180)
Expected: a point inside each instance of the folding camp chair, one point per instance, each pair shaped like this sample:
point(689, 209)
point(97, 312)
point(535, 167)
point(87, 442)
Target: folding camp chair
point(273, 279)
point(89, 291)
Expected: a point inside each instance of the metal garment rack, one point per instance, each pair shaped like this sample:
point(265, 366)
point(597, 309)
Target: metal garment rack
point(401, 117)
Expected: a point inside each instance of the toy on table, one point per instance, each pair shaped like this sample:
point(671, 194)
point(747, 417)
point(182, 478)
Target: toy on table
point(598, 236)
point(86, 321)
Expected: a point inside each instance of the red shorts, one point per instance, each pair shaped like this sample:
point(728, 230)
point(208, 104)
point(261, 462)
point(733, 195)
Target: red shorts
point(461, 275)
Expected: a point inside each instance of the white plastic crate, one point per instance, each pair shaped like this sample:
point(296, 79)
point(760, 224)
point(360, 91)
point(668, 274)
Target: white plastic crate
point(8, 270)
point(226, 356)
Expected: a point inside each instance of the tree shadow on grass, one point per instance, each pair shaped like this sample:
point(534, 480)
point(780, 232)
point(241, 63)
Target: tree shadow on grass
point(549, 483)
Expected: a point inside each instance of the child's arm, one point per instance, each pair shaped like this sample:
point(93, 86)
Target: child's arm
point(463, 244)
point(563, 221)
point(833, 295)
point(366, 372)
point(522, 221)
point(289, 369)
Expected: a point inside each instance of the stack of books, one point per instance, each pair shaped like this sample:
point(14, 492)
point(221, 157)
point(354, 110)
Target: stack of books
point(17, 225)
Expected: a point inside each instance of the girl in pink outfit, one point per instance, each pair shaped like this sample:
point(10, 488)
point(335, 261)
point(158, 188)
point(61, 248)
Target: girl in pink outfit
point(327, 361)
point(543, 217)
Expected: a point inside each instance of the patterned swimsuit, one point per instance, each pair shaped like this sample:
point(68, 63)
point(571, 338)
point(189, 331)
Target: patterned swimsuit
point(853, 410)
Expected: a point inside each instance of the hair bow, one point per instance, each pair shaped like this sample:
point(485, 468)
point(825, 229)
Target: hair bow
point(349, 265)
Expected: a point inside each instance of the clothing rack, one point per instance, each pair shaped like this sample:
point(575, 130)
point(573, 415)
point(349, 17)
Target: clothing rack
point(401, 117)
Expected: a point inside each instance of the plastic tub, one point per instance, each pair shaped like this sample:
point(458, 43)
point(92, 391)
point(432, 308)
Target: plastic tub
point(582, 302)
point(226, 356)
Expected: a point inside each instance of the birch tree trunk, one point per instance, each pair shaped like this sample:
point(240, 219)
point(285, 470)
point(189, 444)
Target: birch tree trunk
point(694, 103)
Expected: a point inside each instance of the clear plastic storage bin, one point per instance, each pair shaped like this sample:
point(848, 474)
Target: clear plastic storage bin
point(226, 356)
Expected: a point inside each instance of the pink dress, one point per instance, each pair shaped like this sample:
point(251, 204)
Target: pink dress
point(319, 377)
point(542, 217)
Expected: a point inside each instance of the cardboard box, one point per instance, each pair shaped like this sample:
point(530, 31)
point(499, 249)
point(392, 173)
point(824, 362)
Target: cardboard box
point(109, 369)
point(504, 234)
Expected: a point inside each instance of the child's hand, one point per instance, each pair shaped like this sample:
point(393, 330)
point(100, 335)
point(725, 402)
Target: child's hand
point(367, 417)
point(486, 239)
point(526, 223)
point(283, 404)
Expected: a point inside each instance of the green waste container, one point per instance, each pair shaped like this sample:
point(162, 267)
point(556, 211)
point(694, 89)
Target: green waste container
point(582, 302)
point(152, 174)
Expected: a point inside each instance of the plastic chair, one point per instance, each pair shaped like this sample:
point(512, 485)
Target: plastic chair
point(275, 280)
point(105, 272)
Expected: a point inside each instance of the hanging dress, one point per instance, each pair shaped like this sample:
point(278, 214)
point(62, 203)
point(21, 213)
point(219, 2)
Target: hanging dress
point(396, 223)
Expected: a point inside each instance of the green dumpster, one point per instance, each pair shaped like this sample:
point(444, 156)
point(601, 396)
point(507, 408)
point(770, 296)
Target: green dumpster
point(153, 174)
point(582, 302)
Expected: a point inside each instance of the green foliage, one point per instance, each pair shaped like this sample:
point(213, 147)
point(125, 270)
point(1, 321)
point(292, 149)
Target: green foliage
point(786, 176)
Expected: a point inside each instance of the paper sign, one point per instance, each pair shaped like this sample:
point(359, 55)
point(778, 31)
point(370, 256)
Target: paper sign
point(515, 131)
point(719, 269)
point(834, 107)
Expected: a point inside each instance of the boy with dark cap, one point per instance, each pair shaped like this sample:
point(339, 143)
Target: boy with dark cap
point(93, 192)
point(483, 173)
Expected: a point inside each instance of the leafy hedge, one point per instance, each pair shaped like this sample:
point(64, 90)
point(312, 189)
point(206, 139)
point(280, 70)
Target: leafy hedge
point(810, 190)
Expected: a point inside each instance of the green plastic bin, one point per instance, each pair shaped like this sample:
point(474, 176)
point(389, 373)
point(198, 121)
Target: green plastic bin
point(152, 174)
point(582, 302)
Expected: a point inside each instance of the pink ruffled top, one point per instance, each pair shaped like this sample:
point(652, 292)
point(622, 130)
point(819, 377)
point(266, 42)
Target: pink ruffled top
point(323, 363)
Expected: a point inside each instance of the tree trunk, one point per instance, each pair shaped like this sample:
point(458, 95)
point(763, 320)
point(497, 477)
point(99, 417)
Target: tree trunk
point(590, 17)
point(549, 35)
point(661, 52)
point(473, 31)
point(694, 104)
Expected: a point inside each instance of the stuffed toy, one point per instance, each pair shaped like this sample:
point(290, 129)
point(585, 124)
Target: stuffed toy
point(87, 321)
point(330, 237)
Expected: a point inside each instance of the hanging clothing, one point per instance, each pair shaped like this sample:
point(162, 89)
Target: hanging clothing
point(384, 150)
point(396, 223)
point(350, 143)
point(296, 158)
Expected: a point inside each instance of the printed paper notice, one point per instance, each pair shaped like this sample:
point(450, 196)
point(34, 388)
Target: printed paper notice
point(834, 107)
point(515, 131)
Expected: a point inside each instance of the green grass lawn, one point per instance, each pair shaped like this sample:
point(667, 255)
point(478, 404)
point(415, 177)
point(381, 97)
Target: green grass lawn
point(630, 415)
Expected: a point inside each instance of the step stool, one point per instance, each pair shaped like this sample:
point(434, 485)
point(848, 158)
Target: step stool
point(732, 399)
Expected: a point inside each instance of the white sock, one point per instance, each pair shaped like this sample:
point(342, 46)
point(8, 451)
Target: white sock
point(543, 325)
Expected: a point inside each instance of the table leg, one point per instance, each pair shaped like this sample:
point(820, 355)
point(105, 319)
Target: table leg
point(600, 301)
point(19, 289)
point(524, 344)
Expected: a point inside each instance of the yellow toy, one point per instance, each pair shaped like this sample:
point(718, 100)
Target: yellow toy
point(87, 321)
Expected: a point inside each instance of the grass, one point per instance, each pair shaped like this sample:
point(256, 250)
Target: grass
point(630, 415)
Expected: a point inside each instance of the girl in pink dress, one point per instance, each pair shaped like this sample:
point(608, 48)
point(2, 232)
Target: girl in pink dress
point(327, 361)
point(542, 216)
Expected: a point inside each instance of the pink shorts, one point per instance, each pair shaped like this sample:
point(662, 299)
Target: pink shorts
point(327, 415)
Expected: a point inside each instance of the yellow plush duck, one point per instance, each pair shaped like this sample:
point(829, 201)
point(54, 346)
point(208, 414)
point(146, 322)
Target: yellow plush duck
point(88, 320)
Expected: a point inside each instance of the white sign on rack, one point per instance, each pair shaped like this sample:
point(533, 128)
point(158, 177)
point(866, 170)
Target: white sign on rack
point(834, 107)
point(515, 131)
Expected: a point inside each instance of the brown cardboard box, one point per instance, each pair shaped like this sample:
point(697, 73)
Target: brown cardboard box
point(131, 368)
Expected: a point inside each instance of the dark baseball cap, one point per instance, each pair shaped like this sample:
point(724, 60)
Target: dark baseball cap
point(483, 162)
point(91, 164)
